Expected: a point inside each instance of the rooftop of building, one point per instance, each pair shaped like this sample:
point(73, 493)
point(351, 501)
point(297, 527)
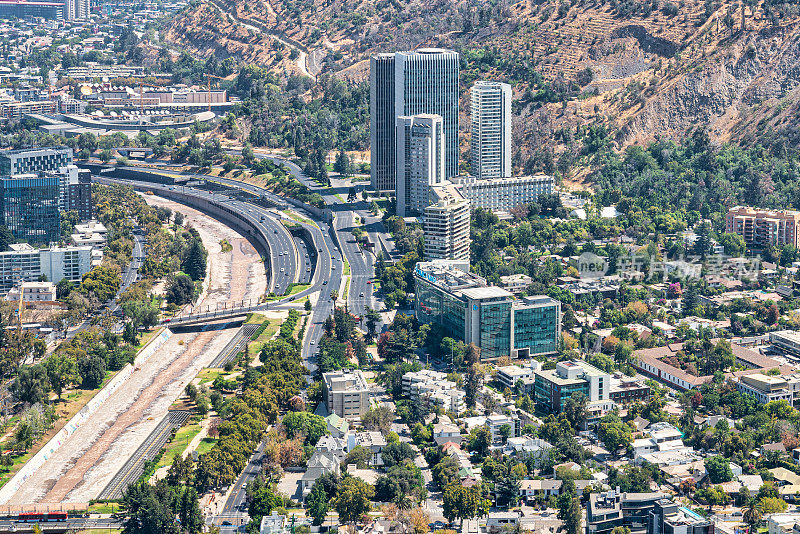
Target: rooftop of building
point(17, 151)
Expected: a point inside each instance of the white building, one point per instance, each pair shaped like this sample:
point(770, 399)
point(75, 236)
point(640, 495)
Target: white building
point(503, 194)
point(446, 225)
point(346, 394)
point(766, 388)
point(372, 441)
point(23, 263)
point(33, 292)
point(431, 389)
point(420, 161)
point(510, 374)
point(490, 108)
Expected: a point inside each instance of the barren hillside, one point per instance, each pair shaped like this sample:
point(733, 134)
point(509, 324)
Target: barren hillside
point(643, 68)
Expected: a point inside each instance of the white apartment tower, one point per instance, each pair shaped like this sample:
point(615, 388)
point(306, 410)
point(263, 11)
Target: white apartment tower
point(490, 108)
point(76, 9)
point(420, 160)
point(445, 226)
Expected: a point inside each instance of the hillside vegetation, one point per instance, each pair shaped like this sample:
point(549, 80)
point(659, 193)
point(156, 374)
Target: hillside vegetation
point(638, 69)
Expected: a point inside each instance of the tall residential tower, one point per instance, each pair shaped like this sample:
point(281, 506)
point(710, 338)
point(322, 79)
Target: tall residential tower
point(420, 161)
point(490, 108)
point(411, 83)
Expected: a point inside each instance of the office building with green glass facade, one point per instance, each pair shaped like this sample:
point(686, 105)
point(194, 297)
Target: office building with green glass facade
point(470, 310)
point(553, 387)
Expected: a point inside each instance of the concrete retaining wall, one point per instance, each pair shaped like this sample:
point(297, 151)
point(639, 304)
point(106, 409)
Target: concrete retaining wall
point(13, 485)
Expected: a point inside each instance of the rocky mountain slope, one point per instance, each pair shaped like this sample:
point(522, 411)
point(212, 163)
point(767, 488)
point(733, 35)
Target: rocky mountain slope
point(639, 68)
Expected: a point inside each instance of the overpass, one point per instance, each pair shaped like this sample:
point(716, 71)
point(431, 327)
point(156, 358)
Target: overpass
point(227, 310)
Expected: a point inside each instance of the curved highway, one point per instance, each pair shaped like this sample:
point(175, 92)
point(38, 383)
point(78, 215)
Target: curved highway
point(327, 273)
point(362, 264)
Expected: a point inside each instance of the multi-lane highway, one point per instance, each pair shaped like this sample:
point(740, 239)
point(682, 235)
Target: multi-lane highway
point(362, 264)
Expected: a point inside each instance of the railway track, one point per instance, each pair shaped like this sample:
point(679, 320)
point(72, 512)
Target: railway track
point(148, 450)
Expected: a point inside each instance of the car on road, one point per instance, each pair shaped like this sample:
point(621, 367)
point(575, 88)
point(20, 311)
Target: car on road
point(324, 282)
point(362, 294)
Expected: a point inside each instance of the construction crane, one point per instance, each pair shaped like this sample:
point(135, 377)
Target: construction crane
point(209, 76)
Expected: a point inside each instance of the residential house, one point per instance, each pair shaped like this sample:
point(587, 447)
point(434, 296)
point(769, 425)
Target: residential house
point(530, 490)
point(445, 431)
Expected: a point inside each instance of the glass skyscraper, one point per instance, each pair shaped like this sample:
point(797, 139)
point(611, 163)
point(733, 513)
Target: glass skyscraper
point(411, 83)
point(30, 207)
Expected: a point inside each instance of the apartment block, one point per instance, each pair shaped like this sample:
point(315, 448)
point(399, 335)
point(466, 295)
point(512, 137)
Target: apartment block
point(74, 190)
point(762, 227)
point(446, 225)
point(411, 83)
point(34, 160)
point(420, 161)
point(490, 144)
point(23, 263)
point(611, 509)
point(346, 393)
point(472, 311)
point(431, 389)
point(668, 517)
point(503, 194)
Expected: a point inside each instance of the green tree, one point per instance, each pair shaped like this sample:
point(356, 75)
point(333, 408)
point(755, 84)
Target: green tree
point(189, 512)
point(378, 418)
point(305, 424)
point(146, 512)
point(317, 504)
point(614, 433)
point(194, 264)
point(571, 515)
point(180, 290)
point(575, 409)
point(31, 384)
point(718, 469)
point(353, 500)
point(463, 503)
point(396, 453)
point(61, 371)
point(479, 441)
point(92, 371)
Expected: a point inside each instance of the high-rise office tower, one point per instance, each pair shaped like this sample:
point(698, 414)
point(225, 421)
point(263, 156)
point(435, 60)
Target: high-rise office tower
point(490, 108)
point(411, 83)
point(30, 207)
point(420, 161)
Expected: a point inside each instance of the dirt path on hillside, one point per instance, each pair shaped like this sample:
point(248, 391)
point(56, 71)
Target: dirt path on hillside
point(80, 469)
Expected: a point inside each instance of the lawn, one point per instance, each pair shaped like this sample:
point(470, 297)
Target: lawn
point(255, 345)
point(147, 336)
point(297, 217)
point(104, 508)
point(179, 443)
point(346, 266)
point(205, 445)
